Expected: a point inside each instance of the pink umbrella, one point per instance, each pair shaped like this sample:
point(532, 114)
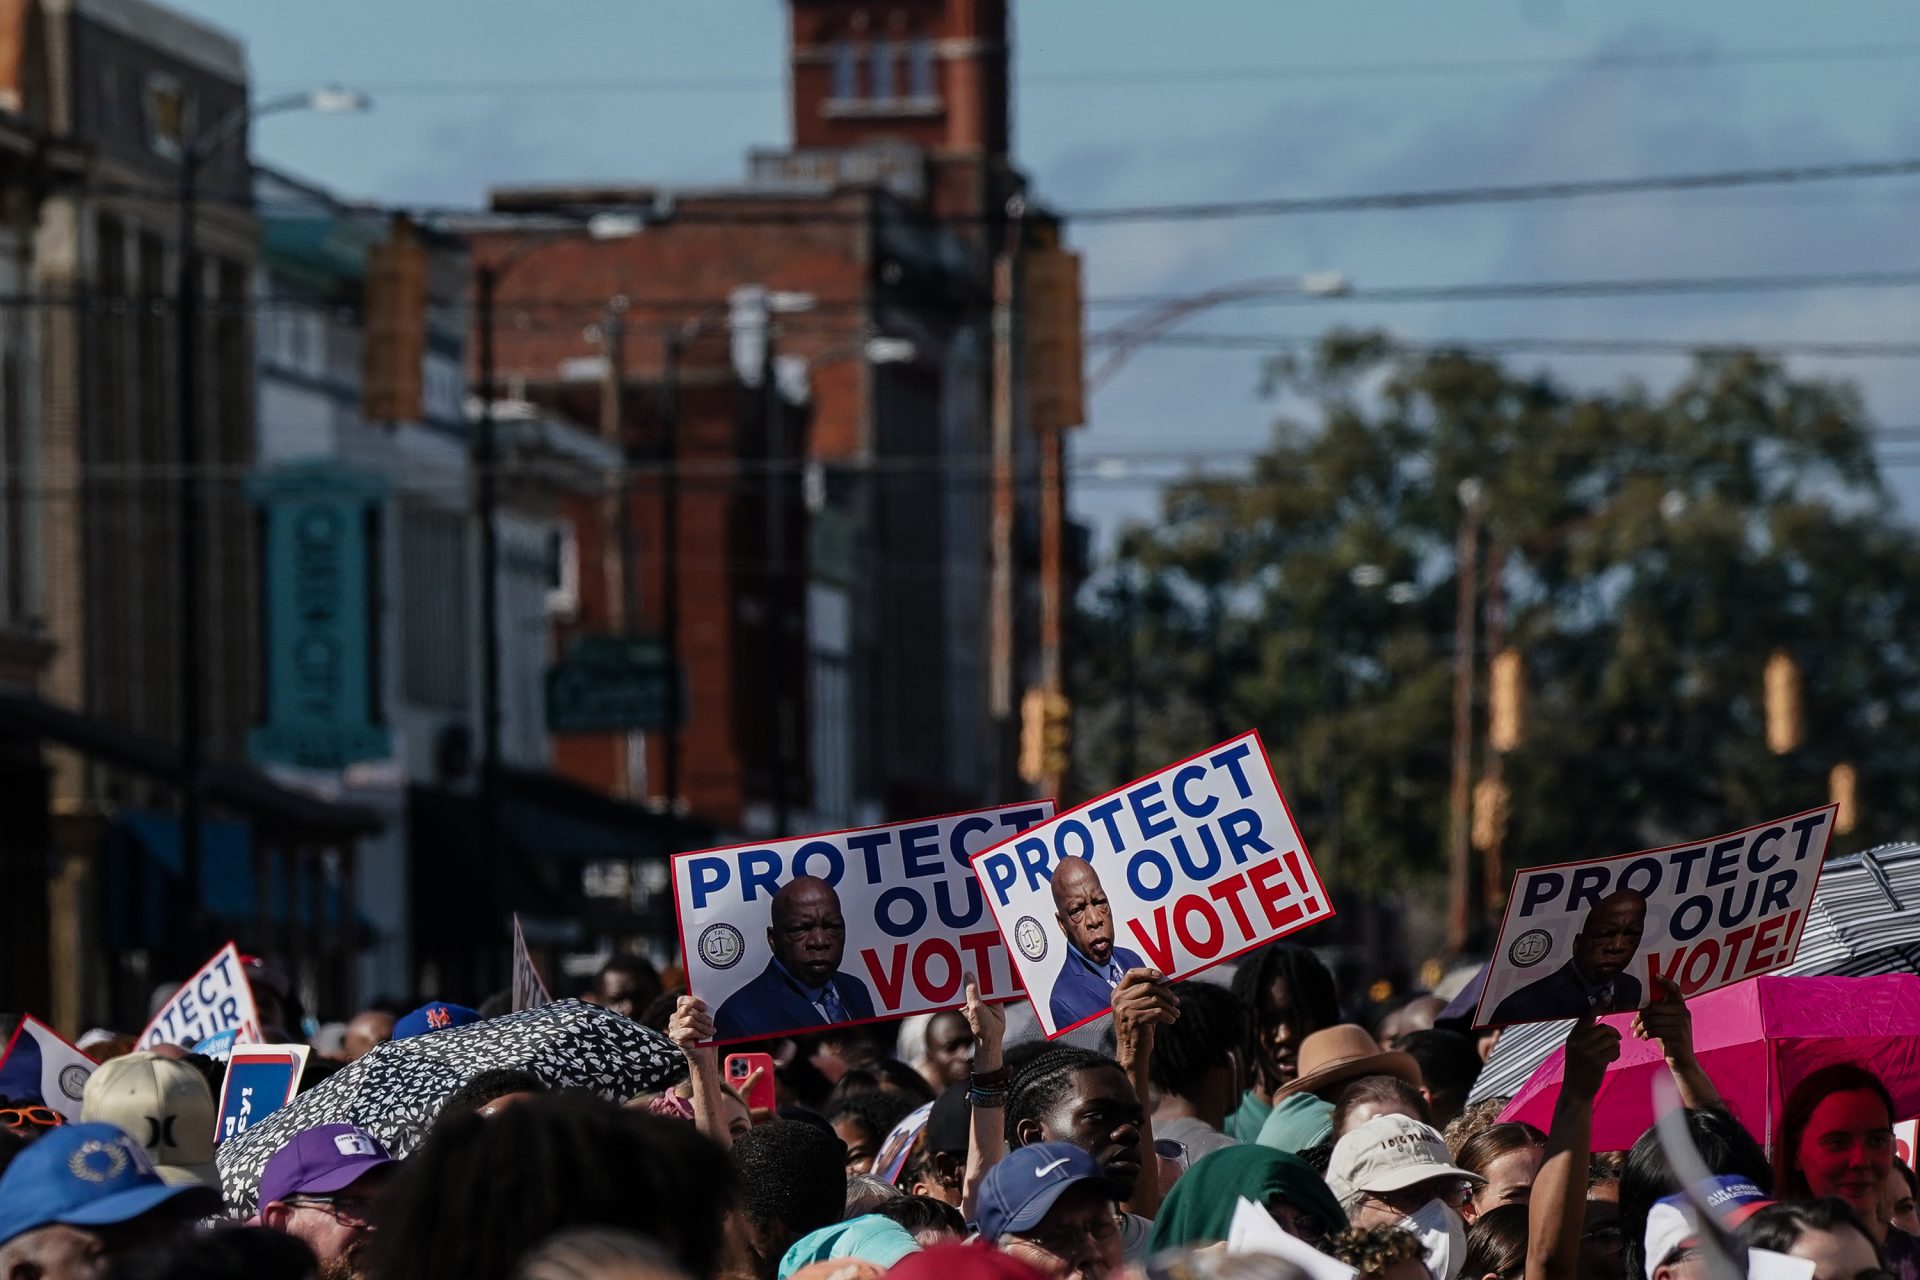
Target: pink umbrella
point(1756, 1039)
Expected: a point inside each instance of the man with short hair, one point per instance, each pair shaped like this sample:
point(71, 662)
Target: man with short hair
point(84, 1195)
point(803, 984)
point(1596, 978)
point(1195, 1068)
point(792, 1180)
point(321, 1188)
point(1094, 966)
point(368, 1029)
point(627, 985)
point(1051, 1206)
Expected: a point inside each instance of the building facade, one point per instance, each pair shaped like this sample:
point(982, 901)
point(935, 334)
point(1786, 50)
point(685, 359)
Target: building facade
point(872, 237)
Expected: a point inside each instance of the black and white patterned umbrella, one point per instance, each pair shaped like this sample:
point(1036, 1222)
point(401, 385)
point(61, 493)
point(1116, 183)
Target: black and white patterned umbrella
point(396, 1091)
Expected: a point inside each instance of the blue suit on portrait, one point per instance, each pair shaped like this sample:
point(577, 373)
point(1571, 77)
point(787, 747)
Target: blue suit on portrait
point(775, 1001)
point(1085, 988)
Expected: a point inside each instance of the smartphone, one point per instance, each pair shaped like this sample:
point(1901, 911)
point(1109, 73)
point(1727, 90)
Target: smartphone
point(741, 1065)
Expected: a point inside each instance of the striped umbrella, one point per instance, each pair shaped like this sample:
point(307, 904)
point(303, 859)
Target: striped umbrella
point(1865, 919)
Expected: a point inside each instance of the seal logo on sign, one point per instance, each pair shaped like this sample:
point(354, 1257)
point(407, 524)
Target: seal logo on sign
point(73, 1081)
point(721, 946)
point(1530, 948)
point(1030, 938)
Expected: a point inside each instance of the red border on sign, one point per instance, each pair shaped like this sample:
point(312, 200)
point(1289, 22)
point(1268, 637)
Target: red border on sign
point(680, 923)
point(1013, 952)
point(1506, 918)
point(259, 1053)
point(239, 964)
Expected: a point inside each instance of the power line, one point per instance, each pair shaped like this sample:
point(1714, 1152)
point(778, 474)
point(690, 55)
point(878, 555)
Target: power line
point(1277, 343)
point(1140, 77)
point(1286, 290)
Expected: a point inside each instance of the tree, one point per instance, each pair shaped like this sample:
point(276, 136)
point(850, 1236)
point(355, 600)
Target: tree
point(1652, 551)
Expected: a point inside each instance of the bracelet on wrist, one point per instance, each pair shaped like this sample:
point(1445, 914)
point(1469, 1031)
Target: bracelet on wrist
point(995, 1080)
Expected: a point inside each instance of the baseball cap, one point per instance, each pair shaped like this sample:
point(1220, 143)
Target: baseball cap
point(162, 1104)
point(1672, 1226)
point(434, 1016)
point(321, 1160)
point(1020, 1190)
point(1391, 1153)
point(89, 1175)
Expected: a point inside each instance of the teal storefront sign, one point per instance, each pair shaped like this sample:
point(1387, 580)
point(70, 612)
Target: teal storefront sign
point(322, 703)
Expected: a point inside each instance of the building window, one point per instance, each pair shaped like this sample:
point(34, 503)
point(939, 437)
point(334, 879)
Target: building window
point(169, 115)
point(433, 600)
point(920, 69)
point(846, 72)
point(884, 53)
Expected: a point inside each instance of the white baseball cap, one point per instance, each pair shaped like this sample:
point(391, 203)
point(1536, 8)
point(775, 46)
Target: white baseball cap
point(1391, 1153)
point(163, 1105)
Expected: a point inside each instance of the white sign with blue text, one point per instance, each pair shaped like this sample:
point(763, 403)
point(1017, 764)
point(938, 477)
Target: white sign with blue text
point(1601, 936)
point(218, 998)
point(844, 927)
point(1177, 872)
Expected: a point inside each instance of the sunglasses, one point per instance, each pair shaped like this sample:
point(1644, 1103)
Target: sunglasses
point(35, 1117)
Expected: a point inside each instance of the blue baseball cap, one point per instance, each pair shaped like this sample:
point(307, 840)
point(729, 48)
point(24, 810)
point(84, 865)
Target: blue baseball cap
point(89, 1175)
point(435, 1016)
point(1020, 1190)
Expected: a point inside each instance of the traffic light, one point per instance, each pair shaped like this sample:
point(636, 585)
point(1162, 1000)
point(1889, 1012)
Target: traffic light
point(1784, 728)
point(396, 340)
point(1843, 790)
point(1491, 802)
point(1056, 392)
point(1046, 736)
point(1507, 714)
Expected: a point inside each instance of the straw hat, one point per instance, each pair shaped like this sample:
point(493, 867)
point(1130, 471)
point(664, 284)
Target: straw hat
point(1334, 1055)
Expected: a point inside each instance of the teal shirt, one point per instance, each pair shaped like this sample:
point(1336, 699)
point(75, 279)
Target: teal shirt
point(1244, 1124)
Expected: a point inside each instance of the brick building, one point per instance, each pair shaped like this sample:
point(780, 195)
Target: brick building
point(834, 503)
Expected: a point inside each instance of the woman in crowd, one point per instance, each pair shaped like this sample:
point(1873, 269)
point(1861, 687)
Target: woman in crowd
point(1380, 1253)
point(1903, 1189)
point(1827, 1233)
point(1507, 1156)
point(1836, 1140)
point(1200, 1207)
point(1291, 996)
point(1497, 1244)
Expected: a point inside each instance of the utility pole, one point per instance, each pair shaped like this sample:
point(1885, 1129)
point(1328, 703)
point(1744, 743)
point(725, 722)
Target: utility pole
point(670, 560)
point(486, 457)
point(1459, 842)
point(187, 422)
point(1493, 884)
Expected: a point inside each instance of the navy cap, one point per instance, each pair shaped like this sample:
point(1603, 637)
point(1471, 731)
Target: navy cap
point(1020, 1190)
point(436, 1016)
point(89, 1175)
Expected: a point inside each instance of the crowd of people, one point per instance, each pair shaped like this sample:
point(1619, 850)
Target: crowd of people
point(1238, 1124)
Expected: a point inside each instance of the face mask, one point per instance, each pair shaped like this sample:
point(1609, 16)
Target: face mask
point(1442, 1235)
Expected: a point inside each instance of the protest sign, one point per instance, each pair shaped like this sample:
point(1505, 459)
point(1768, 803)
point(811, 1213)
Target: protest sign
point(1704, 915)
point(1906, 1136)
point(844, 927)
point(217, 998)
point(219, 1045)
point(1192, 865)
point(529, 992)
point(38, 1064)
point(261, 1079)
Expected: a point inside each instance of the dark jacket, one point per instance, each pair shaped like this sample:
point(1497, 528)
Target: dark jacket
point(774, 1002)
point(1082, 990)
point(1562, 994)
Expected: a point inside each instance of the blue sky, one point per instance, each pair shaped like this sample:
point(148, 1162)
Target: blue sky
point(1220, 136)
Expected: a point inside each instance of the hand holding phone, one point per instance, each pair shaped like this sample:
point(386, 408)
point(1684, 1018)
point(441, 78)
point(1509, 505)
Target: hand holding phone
point(752, 1074)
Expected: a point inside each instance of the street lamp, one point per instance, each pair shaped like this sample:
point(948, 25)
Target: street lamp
point(195, 151)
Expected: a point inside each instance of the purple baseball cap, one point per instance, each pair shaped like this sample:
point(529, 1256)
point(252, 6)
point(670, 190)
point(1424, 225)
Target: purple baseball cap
point(320, 1161)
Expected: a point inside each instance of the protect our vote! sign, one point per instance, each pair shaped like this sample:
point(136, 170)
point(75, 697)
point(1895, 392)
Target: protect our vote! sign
point(846, 926)
point(218, 998)
point(1177, 871)
point(1595, 935)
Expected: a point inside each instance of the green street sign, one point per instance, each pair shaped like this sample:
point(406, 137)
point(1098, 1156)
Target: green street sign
point(611, 684)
